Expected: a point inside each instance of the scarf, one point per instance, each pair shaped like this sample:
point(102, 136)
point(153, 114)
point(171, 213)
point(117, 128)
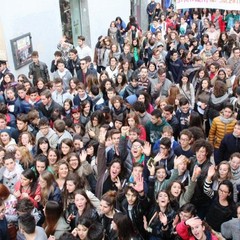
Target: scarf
point(225, 120)
point(217, 100)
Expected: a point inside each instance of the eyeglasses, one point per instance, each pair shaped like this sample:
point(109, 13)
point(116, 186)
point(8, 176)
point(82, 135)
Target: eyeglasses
point(136, 146)
point(222, 191)
point(163, 148)
point(42, 128)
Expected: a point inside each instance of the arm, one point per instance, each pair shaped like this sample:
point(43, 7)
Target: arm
point(212, 132)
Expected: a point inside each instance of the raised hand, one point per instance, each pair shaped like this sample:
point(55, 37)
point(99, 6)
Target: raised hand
point(118, 183)
point(178, 160)
point(139, 186)
point(83, 156)
point(163, 218)
point(151, 169)
point(102, 135)
point(211, 172)
point(147, 149)
point(159, 157)
point(125, 130)
point(196, 173)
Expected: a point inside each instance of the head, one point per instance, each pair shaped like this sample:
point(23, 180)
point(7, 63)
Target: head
point(108, 202)
point(203, 150)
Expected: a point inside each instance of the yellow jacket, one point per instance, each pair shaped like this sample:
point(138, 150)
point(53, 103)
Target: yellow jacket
point(218, 129)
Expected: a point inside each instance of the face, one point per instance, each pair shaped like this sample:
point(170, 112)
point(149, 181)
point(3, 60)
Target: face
point(163, 199)
point(5, 138)
point(22, 94)
point(110, 94)
point(40, 166)
point(184, 140)
point(80, 201)
point(141, 98)
point(10, 164)
point(227, 112)
point(72, 55)
point(40, 85)
point(155, 120)
point(63, 171)
point(144, 73)
point(95, 122)
point(223, 171)
point(201, 155)
point(70, 186)
point(3, 124)
point(52, 157)
point(132, 136)
point(108, 85)
point(115, 170)
point(184, 216)
point(161, 174)
point(113, 62)
point(80, 42)
point(174, 56)
point(131, 197)
point(116, 139)
point(167, 115)
point(176, 189)
point(182, 167)
point(21, 125)
point(83, 64)
point(87, 108)
point(72, 84)
point(18, 155)
point(43, 146)
point(185, 108)
point(136, 149)
point(42, 182)
point(117, 104)
point(223, 192)
point(25, 181)
point(104, 207)
point(67, 106)
point(235, 163)
point(126, 49)
point(204, 84)
point(151, 67)
point(7, 79)
point(44, 130)
point(236, 130)
point(45, 100)
point(10, 94)
point(184, 80)
point(118, 124)
point(65, 149)
point(78, 144)
point(119, 79)
point(33, 97)
point(137, 172)
point(73, 161)
point(198, 231)
point(81, 93)
point(82, 232)
point(131, 122)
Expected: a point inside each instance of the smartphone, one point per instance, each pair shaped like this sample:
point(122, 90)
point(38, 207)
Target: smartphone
point(150, 162)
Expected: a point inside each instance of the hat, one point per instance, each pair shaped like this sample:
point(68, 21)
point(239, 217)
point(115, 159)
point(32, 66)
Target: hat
point(75, 109)
point(106, 109)
point(131, 99)
point(160, 44)
point(238, 91)
point(213, 50)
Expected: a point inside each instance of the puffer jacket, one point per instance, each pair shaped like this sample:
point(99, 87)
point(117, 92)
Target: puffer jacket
point(219, 128)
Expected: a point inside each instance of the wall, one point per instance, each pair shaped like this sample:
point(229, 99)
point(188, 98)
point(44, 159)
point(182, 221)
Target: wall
point(102, 13)
point(39, 17)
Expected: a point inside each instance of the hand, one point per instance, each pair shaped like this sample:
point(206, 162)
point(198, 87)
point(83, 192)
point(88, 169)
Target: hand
point(139, 186)
point(25, 195)
point(147, 149)
point(196, 173)
point(74, 232)
point(211, 172)
point(51, 237)
point(151, 170)
point(145, 223)
point(157, 101)
point(178, 160)
point(175, 221)
point(70, 217)
point(102, 135)
point(17, 194)
point(83, 156)
point(125, 130)
point(91, 133)
point(158, 157)
point(163, 218)
point(118, 183)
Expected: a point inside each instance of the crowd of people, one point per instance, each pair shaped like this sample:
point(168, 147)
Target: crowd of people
point(137, 139)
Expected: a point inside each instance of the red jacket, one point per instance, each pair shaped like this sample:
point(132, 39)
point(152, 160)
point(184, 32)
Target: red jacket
point(220, 22)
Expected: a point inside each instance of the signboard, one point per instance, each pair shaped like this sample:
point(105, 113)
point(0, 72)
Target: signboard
point(22, 50)
point(214, 4)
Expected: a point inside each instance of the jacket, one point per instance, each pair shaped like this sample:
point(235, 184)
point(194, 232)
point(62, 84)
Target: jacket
point(51, 136)
point(38, 70)
point(230, 229)
point(219, 128)
point(229, 145)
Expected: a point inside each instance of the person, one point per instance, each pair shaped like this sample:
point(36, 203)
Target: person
point(155, 126)
point(73, 64)
point(54, 224)
point(230, 229)
point(223, 207)
point(203, 150)
point(4, 233)
point(221, 126)
point(38, 69)
point(96, 231)
point(119, 223)
point(199, 229)
point(150, 10)
point(60, 126)
point(230, 143)
point(83, 49)
point(82, 228)
point(28, 228)
point(63, 73)
point(48, 106)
